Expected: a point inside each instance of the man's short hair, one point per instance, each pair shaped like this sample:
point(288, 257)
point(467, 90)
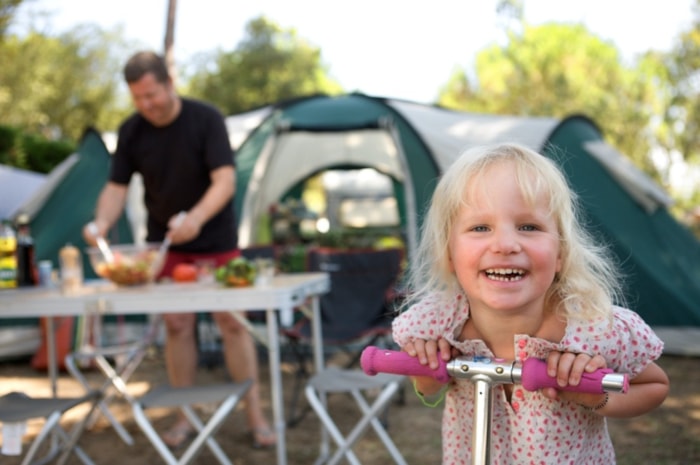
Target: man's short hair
point(143, 63)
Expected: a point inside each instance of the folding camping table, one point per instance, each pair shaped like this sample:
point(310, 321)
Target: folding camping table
point(278, 298)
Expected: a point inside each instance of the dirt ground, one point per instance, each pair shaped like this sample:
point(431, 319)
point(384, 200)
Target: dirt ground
point(668, 436)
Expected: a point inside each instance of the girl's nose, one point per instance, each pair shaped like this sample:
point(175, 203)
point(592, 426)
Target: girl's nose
point(505, 241)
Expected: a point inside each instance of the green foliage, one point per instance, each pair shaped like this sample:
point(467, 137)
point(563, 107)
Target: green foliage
point(556, 70)
point(8, 136)
point(31, 151)
point(11, 153)
point(59, 86)
point(681, 118)
point(269, 65)
point(43, 155)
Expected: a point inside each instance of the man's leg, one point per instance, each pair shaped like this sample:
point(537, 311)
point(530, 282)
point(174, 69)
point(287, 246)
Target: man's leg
point(242, 363)
point(181, 365)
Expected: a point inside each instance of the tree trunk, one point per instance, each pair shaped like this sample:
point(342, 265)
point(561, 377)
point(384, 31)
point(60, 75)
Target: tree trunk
point(170, 39)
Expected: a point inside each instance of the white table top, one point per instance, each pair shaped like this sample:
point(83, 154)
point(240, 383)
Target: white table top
point(283, 293)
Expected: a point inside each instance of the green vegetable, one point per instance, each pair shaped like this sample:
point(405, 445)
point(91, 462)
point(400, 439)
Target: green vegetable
point(237, 270)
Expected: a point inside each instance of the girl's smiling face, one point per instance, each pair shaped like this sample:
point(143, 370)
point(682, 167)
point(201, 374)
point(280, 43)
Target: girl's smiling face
point(504, 248)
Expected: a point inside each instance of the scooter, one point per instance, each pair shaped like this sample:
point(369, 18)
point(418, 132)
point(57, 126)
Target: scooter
point(486, 373)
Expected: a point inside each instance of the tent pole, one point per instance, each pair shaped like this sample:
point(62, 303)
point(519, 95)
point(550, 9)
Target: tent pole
point(409, 194)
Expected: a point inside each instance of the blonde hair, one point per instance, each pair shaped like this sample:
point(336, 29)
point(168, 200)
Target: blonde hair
point(588, 283)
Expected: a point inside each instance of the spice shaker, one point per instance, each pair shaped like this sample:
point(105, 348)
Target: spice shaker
point(71, 269)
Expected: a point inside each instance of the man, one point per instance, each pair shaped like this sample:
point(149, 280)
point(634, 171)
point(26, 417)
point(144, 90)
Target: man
point(181, 148)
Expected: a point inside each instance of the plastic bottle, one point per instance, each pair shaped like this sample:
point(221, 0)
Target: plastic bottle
point(8, 256)
point(26, 268)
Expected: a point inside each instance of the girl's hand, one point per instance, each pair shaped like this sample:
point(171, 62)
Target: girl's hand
point(568, 368)
point(428, 351)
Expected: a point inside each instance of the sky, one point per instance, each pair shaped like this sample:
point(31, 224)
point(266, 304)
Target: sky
point(390, 48)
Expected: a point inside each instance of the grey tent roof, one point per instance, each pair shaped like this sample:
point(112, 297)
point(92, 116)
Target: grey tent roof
point(16, 186)
point(447, 133)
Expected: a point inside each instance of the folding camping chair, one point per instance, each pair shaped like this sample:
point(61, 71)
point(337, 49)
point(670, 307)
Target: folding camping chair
point(52, 441)
point(227, 395)
point(116, 362)
point(358, 384)
point(355, 313)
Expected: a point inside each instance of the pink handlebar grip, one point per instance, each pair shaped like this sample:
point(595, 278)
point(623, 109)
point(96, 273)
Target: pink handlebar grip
point(534, 377)
point(375, 360)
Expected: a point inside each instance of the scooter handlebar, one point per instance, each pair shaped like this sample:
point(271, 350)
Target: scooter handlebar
point(532, 374)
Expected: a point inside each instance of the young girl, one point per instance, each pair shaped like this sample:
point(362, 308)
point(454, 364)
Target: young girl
point(504, 269)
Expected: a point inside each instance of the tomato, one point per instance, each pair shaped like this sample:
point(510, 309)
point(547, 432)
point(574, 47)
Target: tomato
point(185, 272)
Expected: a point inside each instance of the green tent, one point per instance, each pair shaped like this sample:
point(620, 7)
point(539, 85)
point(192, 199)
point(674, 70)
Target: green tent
point(58, 210)
point(67, 200)
point(281, 145)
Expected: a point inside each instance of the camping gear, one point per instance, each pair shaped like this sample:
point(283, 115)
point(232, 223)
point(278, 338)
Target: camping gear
point(16, 186)
point(486, 373)
point(357, 311)
point(284, 293)
point(52, 442)
point(380, 389)
point(224, 397)
point(58, 210)
point(116, 363)
point(286, 143)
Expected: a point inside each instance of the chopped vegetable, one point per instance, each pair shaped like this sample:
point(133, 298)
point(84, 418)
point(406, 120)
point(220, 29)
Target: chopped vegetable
point(238, 272)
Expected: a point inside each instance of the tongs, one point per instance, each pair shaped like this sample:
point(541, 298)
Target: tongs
point(157, 262)
point(101, 243)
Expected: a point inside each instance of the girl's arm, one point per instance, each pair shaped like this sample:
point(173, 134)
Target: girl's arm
point(647, 391)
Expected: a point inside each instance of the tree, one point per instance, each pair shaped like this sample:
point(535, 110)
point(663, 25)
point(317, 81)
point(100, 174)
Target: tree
point(7, 10)
point(269, 65)
point(681, 118)
point(59, 86)
point(678, 130)
point(557, 70)
point(169, 40)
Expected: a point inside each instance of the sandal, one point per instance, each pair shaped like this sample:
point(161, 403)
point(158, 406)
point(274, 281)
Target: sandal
point(179, 435)
point(263, 437)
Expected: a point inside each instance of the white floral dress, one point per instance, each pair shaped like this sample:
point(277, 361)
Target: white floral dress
point(530, 428)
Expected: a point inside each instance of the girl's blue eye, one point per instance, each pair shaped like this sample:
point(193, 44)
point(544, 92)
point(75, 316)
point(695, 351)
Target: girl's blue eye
point(529, 227)
point(479, 228)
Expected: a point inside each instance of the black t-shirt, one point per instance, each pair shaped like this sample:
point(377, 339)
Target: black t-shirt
point(175, 162)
